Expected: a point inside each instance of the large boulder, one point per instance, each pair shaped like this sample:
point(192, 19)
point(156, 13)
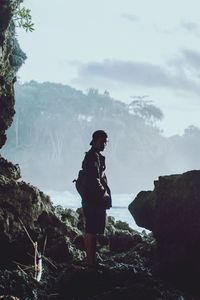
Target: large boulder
point(172, 212)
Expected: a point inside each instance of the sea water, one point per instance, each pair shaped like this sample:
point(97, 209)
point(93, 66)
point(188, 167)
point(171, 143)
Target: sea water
point(119, 210)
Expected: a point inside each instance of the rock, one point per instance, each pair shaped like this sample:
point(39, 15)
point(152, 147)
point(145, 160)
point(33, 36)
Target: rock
point(121, 225)
point(20, 201)
point(142, 289)
point(81, 283)
point(119, 282)
point(61, 250)
point(172, 213)
point(62, 244)
point(67, 215)
point(18, 284)
point(79, 242)
point(64, 249)
point(8, 298)
point(7, 169)
point(7, 74)
point(123, 241)
point(103, 240)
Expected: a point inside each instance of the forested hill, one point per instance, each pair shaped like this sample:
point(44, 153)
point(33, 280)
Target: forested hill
point(52, 129)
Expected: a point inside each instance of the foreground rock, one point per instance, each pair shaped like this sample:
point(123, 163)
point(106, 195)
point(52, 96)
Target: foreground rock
point(121, 281)
point(27, 214)
point(172, 213)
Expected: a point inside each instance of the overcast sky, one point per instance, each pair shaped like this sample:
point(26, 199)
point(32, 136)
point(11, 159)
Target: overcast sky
point(128, 47)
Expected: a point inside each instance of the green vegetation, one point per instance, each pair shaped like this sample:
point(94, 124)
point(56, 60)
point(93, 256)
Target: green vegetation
point(22, 18)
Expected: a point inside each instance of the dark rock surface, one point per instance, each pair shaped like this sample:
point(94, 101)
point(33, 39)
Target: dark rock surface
point(172, 213)
point(7, 74)
point(116, 281)
point(21, 202)
point(17, 284)
point(7, 169)
point(126, 256)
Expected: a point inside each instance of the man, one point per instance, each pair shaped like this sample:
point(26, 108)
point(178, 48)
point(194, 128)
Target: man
point(96, 195)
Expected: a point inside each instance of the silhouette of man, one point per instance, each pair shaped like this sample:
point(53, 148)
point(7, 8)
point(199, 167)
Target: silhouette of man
point(97, 195)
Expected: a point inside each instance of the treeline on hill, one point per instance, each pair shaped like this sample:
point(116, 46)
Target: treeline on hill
point(53, 126)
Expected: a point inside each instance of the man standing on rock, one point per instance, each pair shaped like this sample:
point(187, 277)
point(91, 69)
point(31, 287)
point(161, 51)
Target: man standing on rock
point(95, 193)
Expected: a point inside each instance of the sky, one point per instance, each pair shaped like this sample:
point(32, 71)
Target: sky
point(127, 47)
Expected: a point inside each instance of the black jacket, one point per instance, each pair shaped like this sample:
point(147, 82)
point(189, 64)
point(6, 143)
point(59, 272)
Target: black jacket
point(95, 180)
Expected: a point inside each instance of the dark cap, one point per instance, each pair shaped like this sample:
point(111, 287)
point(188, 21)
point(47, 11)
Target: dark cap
point(97, 134)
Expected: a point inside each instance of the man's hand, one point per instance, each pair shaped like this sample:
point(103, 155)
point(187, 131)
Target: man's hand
point(107, 200)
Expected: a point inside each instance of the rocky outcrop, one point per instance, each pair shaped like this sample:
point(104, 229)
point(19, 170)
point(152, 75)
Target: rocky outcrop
point(24, 208)
point(6, 76)
point(117, 282)
point(11, 57)
point(126, 256)
point(7, 169)
point(172, 213)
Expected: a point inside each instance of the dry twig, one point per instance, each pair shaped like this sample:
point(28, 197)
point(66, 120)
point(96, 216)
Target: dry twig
point(37, 256)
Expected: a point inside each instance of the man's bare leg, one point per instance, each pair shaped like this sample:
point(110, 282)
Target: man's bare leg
point(90, 248)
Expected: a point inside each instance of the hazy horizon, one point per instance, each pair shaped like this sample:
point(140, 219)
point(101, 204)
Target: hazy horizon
point(49, 138)
point(127, 48)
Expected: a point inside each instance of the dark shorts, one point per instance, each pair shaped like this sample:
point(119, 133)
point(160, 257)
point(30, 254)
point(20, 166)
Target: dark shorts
point(95, 219)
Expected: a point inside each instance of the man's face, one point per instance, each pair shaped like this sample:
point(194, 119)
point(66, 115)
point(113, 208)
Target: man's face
point(101, 143)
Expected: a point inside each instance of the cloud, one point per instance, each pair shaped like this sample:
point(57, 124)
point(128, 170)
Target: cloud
point(138, 73)
point(191, 27)
point(130, 17)
point(126, 71)
point(188, 61)
point(192, 58)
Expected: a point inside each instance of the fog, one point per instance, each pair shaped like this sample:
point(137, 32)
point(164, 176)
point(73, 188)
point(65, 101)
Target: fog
point(120, 66)
point(53, 126)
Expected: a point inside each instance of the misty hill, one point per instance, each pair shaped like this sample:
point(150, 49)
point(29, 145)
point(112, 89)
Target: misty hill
point(52, 129)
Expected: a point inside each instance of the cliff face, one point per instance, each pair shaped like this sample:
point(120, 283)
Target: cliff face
point(7, 70)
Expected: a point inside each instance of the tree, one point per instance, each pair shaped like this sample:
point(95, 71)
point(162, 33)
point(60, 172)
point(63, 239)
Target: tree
point(192, 131)
point(145, 109)
point(53, 126)
point(22, 17)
